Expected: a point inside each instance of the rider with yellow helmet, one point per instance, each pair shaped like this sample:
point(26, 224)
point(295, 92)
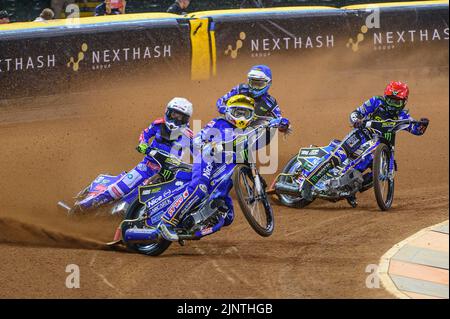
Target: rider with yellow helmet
point(209, 165)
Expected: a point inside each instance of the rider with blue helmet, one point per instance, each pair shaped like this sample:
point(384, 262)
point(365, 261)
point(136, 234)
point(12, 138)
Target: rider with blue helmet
point(259, 80)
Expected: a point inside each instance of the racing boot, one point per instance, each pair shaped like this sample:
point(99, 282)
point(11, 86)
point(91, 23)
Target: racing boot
point(352, 201)
point(306, 191)
point(367, 182)
point(168, 232)
point(94, 201)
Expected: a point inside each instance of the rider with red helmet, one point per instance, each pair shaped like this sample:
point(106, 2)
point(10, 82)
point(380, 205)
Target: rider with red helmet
point(389, 106)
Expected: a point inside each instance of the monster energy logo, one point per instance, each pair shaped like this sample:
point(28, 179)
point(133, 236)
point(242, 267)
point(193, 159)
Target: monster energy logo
point(244, 155)
point(239, 140)
point(166, 174)
point(388, 136)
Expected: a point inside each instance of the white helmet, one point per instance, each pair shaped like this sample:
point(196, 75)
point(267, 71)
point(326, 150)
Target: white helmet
point(178, 112)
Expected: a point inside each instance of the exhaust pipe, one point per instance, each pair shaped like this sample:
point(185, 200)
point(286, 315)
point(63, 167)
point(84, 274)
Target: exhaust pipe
point(141, 235)
point(286, 189)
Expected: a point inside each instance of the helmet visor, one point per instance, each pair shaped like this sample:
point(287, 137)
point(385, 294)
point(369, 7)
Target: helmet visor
point(395, 103)
point(257, 84)
point(241, 112)
point(177, 117)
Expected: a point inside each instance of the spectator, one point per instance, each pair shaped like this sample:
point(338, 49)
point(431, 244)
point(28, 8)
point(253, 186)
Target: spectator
point(46, 14)
point(4, 17)
point(119, 4)
point(59, 6)
point(109, 7)
point(252, 4)
point(179, 7)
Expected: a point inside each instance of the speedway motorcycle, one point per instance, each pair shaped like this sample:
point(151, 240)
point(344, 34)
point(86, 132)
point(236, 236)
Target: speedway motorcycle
point(139, 231)
point(344, 180)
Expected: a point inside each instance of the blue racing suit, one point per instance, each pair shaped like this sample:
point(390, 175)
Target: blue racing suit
point(265, 105)
point(163, 139)
point(207, 173)
point(373, 109)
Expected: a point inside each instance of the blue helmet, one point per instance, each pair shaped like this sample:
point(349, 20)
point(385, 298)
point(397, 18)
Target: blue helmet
point(259, 80)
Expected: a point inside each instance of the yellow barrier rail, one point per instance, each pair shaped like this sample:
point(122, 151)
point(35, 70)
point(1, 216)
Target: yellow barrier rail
point(395, 4)
point(89, 20)
point(201, 14)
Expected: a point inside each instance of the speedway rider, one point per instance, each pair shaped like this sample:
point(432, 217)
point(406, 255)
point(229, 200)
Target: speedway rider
point(171, 134)
point(378, 108)
point(209, 158)
point(259, 80)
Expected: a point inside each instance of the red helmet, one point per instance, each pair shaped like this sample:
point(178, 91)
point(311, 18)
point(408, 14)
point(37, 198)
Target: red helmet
point(396, 95)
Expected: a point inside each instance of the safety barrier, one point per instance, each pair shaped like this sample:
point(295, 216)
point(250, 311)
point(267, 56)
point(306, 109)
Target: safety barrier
point(48, 58)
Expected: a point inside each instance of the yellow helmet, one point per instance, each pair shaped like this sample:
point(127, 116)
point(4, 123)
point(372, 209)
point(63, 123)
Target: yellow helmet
point(240, 110)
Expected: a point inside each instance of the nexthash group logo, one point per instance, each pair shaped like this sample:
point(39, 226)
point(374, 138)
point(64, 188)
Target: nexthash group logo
point(233, 52)
point(372, 21)
point(391, 38)
point(76, 64)
point(264, 46)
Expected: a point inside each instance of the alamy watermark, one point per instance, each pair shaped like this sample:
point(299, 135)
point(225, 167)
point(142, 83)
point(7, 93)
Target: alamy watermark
point(73, 279)
point(256, 143)
point(372, 280)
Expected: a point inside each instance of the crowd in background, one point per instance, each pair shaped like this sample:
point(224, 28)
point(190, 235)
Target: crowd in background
point(43, 10)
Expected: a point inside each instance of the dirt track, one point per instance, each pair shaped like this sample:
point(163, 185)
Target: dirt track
point(51, 147)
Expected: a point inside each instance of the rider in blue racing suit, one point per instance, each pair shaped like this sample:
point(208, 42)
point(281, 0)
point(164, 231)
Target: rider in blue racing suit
point(378, 108)
point(239, 113)
point(259, 80)
point(171, 134)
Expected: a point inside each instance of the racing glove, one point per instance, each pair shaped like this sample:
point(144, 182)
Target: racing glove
point(422, 125)
point(212, 148)
point(222, 109)
point(142, 148)
point(221, 106)
point(280, 122)
point(356, 119)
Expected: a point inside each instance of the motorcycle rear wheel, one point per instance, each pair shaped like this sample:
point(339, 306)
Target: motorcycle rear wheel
point(383, 187)
point(289, 200)
point(244, 185)
point(154, 249)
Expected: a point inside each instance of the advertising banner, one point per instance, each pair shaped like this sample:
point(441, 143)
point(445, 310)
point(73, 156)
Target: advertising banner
point(41, 62)
point(373, 37)
point(265, 37)
point(412, 33)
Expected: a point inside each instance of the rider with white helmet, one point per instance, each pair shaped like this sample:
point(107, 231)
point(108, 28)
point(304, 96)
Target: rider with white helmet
point(178, 112)
point(171, 134)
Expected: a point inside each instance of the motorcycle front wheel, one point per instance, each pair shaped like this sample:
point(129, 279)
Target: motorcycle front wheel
point(135, 211)
point(256, 207)
point(382, 184)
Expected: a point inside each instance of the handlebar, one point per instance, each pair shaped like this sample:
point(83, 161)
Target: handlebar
point(162, 157)
point(388, 125)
